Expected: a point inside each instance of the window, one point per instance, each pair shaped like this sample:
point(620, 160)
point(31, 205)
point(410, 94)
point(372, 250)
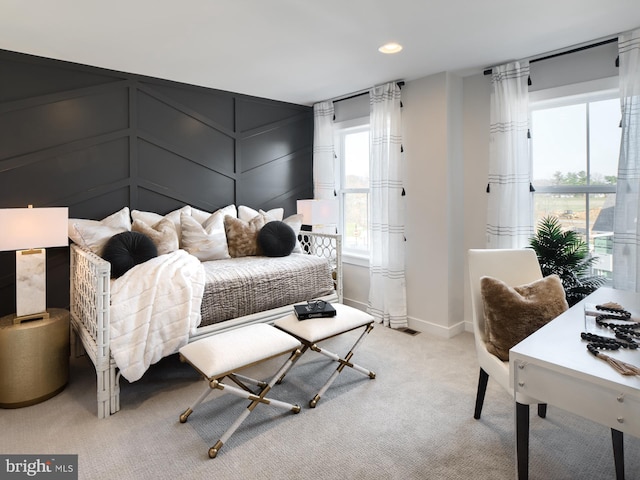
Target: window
point(575, 144)
point(352, 148)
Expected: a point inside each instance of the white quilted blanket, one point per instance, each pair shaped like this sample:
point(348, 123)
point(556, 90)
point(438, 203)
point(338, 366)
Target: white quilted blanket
point(154, 308)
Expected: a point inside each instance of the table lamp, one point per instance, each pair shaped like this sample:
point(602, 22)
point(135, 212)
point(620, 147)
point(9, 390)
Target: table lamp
point(29, 231)
point(320, 214)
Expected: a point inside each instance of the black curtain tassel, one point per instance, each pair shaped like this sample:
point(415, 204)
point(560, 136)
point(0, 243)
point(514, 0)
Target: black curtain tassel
point(528, 133)
point(403, 192)
point(488, 188)
point(334, 117)
point(335, 194)
point(531, 189)
point(529, 81)
point(401, 105)
point(401, 148)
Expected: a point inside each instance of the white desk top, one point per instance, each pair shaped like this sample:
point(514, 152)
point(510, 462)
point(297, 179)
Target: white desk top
point(558, 346)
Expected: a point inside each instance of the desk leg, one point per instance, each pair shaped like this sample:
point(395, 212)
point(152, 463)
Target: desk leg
point(617, 439)
point(522, 440)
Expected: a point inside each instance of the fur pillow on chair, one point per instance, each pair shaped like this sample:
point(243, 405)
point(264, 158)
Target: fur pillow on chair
point(513, 313)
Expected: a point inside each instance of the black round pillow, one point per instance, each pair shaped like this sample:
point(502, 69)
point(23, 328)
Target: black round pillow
point(126, 250)
point(276, 239)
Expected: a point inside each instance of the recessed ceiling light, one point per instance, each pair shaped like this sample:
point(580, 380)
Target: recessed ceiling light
point(391, 47)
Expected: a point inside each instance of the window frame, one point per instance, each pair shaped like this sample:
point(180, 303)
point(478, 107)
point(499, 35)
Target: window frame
point(561, 97)
point(567, 95)
point(340, 130)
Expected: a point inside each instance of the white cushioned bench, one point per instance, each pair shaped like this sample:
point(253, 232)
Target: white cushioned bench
point(315, 330)
point(222, 355)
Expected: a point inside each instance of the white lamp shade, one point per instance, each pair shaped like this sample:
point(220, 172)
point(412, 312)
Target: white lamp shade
point(25, 228)
point(318, 212)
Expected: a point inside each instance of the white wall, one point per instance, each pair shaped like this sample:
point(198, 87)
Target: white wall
point(476, 94)
point(432, 137)
point(446, 145)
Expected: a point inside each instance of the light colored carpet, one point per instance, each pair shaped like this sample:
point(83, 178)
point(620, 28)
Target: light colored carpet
point(414, 421)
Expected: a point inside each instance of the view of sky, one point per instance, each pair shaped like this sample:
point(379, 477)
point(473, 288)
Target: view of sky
point(560, 139)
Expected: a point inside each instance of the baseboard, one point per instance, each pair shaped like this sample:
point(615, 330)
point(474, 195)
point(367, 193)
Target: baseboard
point(422, 325)
point(435, 329)
point(355, 304)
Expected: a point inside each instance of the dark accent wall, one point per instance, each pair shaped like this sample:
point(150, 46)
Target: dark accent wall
point(97, 140)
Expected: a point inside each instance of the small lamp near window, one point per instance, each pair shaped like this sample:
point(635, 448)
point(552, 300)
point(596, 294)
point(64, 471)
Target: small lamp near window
point(29, 231)
point(320, 214)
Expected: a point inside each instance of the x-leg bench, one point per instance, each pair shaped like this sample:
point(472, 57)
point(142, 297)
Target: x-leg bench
point(315, 330)
point(221, 355)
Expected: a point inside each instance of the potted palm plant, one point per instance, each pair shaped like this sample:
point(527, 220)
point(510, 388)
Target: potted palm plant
point(566, 254)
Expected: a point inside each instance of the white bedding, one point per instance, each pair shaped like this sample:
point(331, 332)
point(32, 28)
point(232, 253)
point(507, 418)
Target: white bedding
point(155, 306)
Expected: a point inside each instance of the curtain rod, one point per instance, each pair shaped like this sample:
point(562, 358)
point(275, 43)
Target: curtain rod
point(559, 54)
point(360, 93)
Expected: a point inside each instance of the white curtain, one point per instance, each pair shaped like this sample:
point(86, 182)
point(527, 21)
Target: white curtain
point(626, 238)
point(323, 153)
point(510, 203)
point(387, 291)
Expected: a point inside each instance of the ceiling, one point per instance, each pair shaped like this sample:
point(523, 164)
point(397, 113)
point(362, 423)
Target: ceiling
point(304, 51)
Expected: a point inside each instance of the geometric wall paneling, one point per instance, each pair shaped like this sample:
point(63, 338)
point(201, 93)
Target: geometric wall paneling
point(98, 204)
point(185, 133)
point(256, 112)
point(97, 140)
point(287, 176)
point(47, 122)
point(263, 145)
point(217, 106)
point(161, 202)
point(30, 76)
point(52, 179)
point(183, 178)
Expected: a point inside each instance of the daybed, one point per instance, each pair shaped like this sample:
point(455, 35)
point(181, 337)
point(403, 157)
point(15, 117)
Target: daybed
point(256, 295)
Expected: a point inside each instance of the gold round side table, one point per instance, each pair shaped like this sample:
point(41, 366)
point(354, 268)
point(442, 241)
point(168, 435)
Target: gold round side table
point(34, 358)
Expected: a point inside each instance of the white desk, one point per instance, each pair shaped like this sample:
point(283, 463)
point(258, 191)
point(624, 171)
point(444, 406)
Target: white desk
point(554, 366)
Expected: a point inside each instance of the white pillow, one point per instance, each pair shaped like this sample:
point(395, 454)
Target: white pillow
point(202, 216)
point(295, 222)
point(247, 213)
point(94, 234)
point(207, 241)
point(151, 218)
point(163, 234)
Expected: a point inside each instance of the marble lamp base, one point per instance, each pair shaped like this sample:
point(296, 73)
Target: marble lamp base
point(31, 289)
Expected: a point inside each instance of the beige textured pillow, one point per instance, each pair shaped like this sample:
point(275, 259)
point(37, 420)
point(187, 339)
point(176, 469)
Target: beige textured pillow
point(513, 313)
point(94, 234)
point(163, 234)
point(242, 236)
point(207, 241)
point(151, 218)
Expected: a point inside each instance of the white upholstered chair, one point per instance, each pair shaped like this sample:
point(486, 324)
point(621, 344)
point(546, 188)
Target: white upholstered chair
point(514, 267)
